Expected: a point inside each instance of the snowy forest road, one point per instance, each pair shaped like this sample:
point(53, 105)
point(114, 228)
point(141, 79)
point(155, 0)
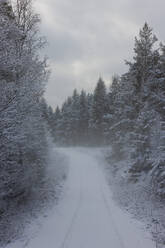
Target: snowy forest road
point(87, 216)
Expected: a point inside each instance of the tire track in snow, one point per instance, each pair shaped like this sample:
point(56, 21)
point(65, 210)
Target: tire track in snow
point(107, 206)
point(73, 220)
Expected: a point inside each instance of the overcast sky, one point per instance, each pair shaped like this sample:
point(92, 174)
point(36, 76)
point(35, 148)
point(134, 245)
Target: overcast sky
point(92, 38)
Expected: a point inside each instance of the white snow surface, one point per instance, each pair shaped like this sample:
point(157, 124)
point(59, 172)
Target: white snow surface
point(87, 216)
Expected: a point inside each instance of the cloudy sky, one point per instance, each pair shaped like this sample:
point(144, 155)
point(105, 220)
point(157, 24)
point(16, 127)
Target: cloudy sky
point(92, 38)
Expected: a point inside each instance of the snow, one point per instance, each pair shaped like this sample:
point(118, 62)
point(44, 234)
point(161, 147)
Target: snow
point(87, 216)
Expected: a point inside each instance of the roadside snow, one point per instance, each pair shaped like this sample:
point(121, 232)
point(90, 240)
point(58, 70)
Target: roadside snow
point(137, 198)
point(87, 216)
point(24, 222)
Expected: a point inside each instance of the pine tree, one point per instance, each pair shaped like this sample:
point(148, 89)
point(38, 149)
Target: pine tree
point(83, 119)
point(142, 67)
point(141, 73)
point(98, 111)
point(74, 117)
point(57, 126)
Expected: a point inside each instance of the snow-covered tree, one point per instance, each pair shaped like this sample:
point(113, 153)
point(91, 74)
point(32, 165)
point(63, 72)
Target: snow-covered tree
point(83, 118)
point(22, 78)
point(98, 112)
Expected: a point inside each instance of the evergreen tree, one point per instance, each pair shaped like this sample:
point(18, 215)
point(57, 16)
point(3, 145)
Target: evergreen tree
point(74, 117)
point(57, 126)
point(140, 75)
point(144, 59)
point(98, 112)
point(83, 118)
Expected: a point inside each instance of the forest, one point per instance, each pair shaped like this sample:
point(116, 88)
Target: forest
point(127, 118)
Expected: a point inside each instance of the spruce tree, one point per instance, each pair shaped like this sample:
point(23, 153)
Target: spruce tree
point(83, 119)
point(140, 75)
point(98, 112)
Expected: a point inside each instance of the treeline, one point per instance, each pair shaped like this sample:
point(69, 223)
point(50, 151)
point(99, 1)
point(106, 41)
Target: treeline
point(81, 120)
point(130, 116)
point(23, 142)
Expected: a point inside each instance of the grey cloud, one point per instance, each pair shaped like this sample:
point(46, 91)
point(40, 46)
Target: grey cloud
point(91, 37)
point(63, 47)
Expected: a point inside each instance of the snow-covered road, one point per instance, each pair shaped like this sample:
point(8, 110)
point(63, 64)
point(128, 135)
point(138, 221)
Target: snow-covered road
point(86, 216)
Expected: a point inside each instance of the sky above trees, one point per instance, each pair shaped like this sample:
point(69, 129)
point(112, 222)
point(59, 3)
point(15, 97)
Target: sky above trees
point(92, 38)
